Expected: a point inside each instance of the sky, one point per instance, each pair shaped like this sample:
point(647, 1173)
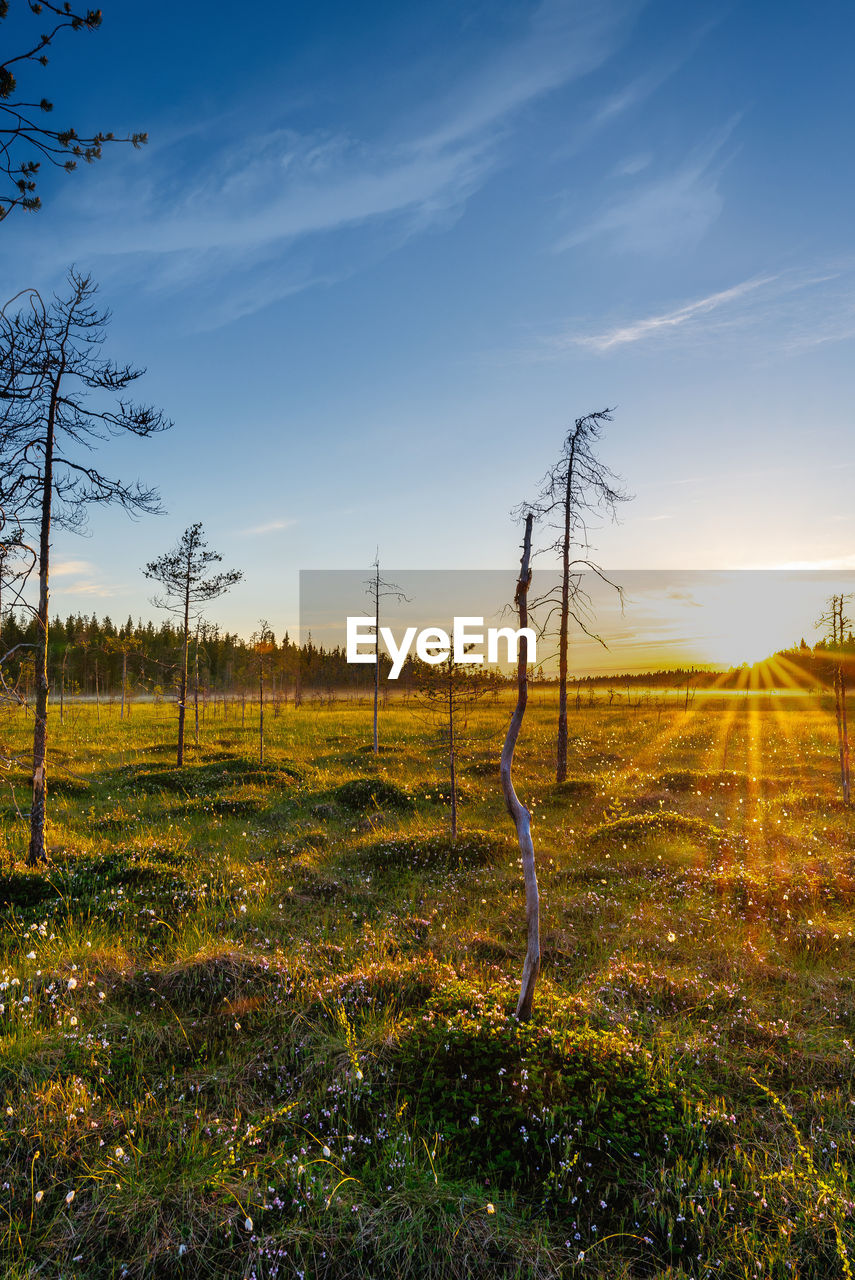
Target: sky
point(376, 258)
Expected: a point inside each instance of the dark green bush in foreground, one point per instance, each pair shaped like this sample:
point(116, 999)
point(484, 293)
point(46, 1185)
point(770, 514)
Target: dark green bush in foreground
point(531, 1105)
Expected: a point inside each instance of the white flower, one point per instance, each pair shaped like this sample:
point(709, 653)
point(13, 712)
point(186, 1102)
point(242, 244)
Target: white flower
point(72, 983)
point(40, 1195)
point(31, 955)
point(359, 1074)
point(491, 1208)
point(120, 1151)
point(672, 937)
point(327, 1152)
point(69, 1197)
point(248, 1224)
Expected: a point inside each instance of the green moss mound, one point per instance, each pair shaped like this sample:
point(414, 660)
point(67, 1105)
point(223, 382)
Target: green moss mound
point(205, 984)
point(202, 779)
point(393, 986)
point(530, 1105)
point(578, 785)
point(643, 826)
point(361, 794)
point(429, 853)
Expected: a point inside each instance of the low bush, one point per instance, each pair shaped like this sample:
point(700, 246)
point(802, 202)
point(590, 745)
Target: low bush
point(542, 1106)
point(360, 794)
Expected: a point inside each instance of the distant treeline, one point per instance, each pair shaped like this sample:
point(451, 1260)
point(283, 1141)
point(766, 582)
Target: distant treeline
point(94, 657)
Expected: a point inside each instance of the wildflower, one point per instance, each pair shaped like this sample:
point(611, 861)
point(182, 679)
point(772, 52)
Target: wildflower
point(120, 1151)
point(72, 983)
point(327, 1152)
point(359, 1074)
point(31, 955)
point(672, 937)
point(69, 1197)
point(40, 1195)
point(491, 1208)
point(248, 1224)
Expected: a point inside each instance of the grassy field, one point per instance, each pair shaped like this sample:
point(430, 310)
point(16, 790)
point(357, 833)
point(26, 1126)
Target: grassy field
point(256, 1022)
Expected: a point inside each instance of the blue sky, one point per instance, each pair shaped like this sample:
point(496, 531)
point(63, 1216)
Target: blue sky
point(376, 257)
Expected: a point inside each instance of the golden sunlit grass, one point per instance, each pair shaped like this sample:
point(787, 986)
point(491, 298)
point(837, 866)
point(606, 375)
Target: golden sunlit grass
point(254, 1022)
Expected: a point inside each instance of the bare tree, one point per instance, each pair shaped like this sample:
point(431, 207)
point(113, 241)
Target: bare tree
point(578, 487)
point(836, 624)
point(445, 693)
point(378, 589)
point(183, 574)
point(264, 643)
point(61, 398)
point(25, 140)
point(519, 812)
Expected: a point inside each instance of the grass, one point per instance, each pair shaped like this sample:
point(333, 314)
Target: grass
point(257, 1022)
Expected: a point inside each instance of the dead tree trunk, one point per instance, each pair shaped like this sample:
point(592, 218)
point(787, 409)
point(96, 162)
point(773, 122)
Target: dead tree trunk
point(840, 698)
point(845, 736)
point(561, 766)
point(451, 751)
point(377, 654)
point(124, 681)
point(196, 687)
point(36, 852)
point(261, 705)
point(518, 811)
point(62, 686)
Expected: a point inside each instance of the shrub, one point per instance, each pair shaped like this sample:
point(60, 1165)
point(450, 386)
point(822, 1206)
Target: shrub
point(530, 1105)
point(427, 853)
point(656, 824)
point(577, 786)
point(372, 793)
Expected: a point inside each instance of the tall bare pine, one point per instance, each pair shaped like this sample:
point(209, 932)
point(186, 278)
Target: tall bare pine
point(62, 398)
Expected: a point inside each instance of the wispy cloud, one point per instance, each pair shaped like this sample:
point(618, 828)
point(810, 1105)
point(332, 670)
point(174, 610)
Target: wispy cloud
point(257, 219)
point(65, 568)
point(630, 95)
point(652, 325)
point(99, 589)
point(670, 211)
point(86, 581)
point(790, 309)
point(565, 40)
point(272, 526)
